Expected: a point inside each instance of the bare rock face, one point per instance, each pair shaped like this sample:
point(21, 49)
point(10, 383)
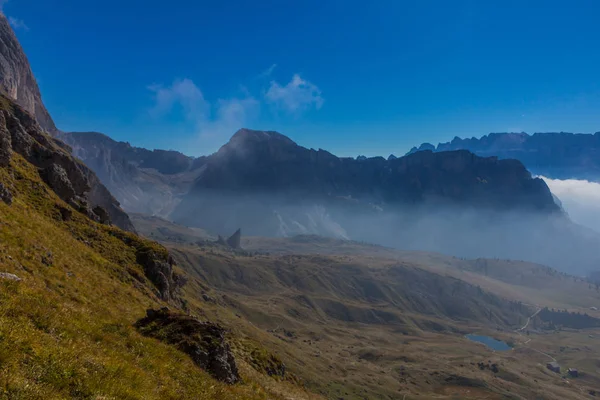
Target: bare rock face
point(16, 78)
point(204, 342)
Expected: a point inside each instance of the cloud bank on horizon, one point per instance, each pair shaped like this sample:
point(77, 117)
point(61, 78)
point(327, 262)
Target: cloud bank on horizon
point(580, 199)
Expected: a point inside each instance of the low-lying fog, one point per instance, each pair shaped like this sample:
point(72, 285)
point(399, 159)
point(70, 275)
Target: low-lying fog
point(579, 198)
point(549, 239)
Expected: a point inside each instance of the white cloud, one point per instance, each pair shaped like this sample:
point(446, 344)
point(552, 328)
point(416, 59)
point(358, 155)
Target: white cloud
point(17, 23)
point(182, 93)
point(580, 199)
point(297, 96)
point(216, 122)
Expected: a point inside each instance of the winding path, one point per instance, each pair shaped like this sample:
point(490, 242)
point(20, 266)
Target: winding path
point(529, 340)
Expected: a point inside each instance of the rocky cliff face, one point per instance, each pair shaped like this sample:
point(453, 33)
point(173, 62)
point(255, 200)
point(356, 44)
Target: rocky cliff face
point(144, 181)
point(70, 179)
point(558, 155)
point(16, 79)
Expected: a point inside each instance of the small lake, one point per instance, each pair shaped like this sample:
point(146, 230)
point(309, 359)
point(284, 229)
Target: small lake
point(489, 342)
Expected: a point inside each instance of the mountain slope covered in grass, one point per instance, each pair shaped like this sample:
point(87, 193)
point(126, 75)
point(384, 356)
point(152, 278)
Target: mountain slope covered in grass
point(71, 290)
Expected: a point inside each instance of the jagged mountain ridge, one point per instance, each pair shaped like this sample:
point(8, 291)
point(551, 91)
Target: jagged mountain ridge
point(16, 78)
point(558, 155)
point(256, 161)
point(268, 163)
point(145, 181)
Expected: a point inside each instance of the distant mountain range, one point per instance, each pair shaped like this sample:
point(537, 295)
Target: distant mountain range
point(258, 172)
point(557, 155)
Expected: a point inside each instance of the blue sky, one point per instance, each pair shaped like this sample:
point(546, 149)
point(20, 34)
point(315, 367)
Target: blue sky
point(353, 77)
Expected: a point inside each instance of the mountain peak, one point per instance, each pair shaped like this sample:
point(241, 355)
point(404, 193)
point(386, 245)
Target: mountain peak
point(16, 78)
point(246, 135)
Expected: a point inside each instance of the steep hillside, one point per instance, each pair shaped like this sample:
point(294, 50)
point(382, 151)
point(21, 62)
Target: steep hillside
point(558, 155)
point(72, 290)
point(144, 181)
point(17, 80)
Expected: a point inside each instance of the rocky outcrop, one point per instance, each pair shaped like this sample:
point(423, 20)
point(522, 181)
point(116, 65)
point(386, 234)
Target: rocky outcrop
point(71, 180)
point(9, 277)
point(5, 194)
point(235, 240)
point(558, 155)
point(204, 342)
point(16, 79)
point(159, 269)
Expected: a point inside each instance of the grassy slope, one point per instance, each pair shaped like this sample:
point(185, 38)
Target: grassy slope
point(66, 329)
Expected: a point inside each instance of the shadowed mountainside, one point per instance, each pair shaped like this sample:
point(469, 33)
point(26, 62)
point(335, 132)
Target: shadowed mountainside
point(258, 174)
point(558, 155)
point(150, 182)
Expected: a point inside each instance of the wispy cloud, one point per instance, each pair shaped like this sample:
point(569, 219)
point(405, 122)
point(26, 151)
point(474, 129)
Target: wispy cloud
point(297, 96)
point(181, 93)
point(267, 72)
point(216, 121)
point(17, 23)
point(579, 198)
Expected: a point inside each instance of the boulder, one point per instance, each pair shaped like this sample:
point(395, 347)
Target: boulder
point(102, 214)
point(5, 194)
point(204, 342)
point(10, 277)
